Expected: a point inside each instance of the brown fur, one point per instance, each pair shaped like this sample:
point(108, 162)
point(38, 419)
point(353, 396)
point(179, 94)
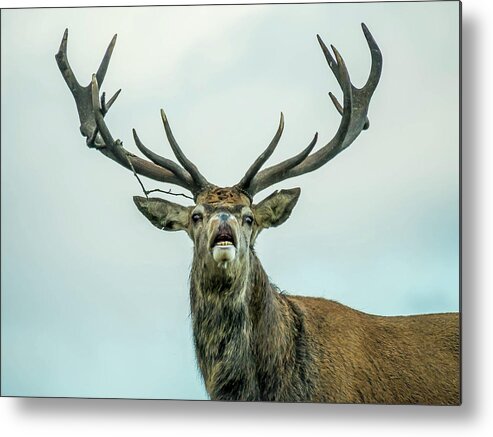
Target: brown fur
point(375, 359)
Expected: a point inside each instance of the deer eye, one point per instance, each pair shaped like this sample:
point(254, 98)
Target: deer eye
point(196, 217)
point(248, 219)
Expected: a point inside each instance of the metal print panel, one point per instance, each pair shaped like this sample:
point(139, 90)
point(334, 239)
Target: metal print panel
point(354, 299)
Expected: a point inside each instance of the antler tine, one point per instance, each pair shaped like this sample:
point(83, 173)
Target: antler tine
point(91, 113)
point(354, 119)
point(110, 143)
point(63, 64)
point(161, 161)
point(300, 157)
point(341, 73)
point(260, 161)
point(333, 64)
point(278, 171)
point(110, 102)
point(189, 166)
point(103, 67)
point(376, 61)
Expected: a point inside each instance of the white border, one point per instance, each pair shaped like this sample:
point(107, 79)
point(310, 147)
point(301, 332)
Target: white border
point(79, 417)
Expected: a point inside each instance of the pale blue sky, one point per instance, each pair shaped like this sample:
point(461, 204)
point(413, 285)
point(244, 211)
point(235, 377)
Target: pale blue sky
point(95, 299)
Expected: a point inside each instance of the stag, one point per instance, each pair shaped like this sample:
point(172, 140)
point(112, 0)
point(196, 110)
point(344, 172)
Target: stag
point(252, 342)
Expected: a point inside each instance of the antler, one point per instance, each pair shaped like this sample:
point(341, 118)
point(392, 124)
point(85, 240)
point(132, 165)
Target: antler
point(92, 109)
point(354, 119)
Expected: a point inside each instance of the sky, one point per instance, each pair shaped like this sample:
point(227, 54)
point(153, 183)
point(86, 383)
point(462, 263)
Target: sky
point(94, 298)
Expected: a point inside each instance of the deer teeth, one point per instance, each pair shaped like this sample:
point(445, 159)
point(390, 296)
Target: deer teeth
point(224, 243)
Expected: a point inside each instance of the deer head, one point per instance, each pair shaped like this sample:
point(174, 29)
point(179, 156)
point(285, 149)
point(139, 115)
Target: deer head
point(224, 222)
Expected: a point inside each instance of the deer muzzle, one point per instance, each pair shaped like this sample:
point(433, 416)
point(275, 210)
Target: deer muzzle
point(224, 243)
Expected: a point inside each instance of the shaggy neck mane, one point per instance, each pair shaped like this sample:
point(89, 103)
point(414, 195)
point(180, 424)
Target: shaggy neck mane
point(250, 340)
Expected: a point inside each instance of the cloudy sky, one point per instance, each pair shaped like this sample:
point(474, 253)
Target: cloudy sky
point(95, 299)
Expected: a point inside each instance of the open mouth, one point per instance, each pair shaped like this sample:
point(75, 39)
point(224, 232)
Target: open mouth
point(224, 238)
point(223, 246)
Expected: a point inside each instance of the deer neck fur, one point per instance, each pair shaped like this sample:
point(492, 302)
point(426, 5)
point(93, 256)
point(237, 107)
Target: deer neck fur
point(249, 339)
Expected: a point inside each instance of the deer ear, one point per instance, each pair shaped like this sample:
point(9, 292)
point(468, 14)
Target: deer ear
point(164, 215)
point(276, 209)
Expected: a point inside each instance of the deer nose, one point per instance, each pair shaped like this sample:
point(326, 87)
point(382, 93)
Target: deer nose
point(223, 216)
